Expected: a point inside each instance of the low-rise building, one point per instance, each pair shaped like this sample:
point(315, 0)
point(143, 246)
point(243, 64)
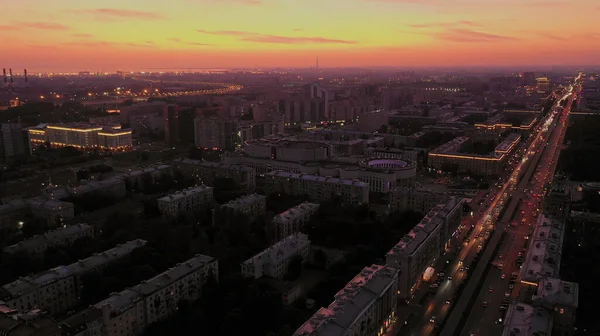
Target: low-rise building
point(12, 213)
point(59, 289)
point(561, 299)
point(523, 319)
point(206, 172)
point(318, 188)
point(392, 153)
point(274, 261)
point(37, 245)
point(365, 306)
point(418, 249)
point(30, 323)
point(544, 255)
point(113, 187)
point(293, 219)
point(186, 201)
point(252, 205)
point(51, 211)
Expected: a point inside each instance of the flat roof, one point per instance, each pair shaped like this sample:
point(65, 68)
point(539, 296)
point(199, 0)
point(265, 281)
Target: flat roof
point(214, 165)
point(555, 291)
point(544, 255)
point(524, 320)
point(245, 200)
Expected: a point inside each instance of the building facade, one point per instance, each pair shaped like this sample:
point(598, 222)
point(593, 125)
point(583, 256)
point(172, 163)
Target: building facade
point(37, 245)
point(59, 289)
point(366, 306)
point(318, 188)
point(418, 249)
point(81, 136)
point(252, 205)
point(186, 201)
point(293, 219)
point(206, 172)
point(274, 261)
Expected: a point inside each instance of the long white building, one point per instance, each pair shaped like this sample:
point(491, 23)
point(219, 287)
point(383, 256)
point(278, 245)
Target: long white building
point(293, 219)
point(318, 188)
point(130, 311)
point(274, 261)
point(419, 200)
point(544, 254)
point(37, 245)
point(58, 290)
point(418, 249)
point(251, 205)
point(365, 306)
point(186, 201)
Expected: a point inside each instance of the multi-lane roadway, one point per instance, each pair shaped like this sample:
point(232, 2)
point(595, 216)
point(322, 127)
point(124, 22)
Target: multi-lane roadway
point(509, 192)
point(502, 284)
point(430, 306)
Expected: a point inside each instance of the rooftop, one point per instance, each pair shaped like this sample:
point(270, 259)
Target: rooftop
point(26, 284)
point(554, 292)
point(544, 255)
point(280, 250)
point(49, 238)
point(173, 274)
point(508, 143)
point(429, 224)
point(524, 320)
point(215, 165)
point(318, 179)
point(185, 193)
point(296, 212)
point(245, 200)
point(117, 303)
point(350, 302)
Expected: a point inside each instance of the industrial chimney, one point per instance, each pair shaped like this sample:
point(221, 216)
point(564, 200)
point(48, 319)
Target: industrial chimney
point(4, 75)
point(10, 74)
point(25, 73)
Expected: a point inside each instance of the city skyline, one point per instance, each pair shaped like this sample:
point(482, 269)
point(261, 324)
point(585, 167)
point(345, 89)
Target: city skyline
point(74, 36)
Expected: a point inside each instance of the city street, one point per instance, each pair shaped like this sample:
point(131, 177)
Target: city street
point(516, 186)
point(499, 288)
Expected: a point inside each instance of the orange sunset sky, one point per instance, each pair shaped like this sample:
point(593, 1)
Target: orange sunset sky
point(109, 35)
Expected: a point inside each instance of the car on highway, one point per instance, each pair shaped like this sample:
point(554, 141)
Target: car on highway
point(503, 277)
point(484, 304)
point(432, 319)
point(490, 289)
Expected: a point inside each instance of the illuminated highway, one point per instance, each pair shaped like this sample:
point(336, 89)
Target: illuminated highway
point(433, 311)
point(223, 88)
point(501, 287)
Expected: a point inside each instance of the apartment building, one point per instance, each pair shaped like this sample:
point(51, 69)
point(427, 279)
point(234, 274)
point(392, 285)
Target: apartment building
point(318, 188)
point(37, 245)
point(206, 172)
point(293, 219)
point(51, 211)
point(213, 132)
point(252, 205)
point(59, 289)
point(392, 153)
point(524, 319)
point(419, 200)
point(130, 311)
point(365, 306)
point(186, 201)
point(561, 299)
point(418, 249)
point(544, 254)
point(25, 323)
point(274, 261)
point(182, 282)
